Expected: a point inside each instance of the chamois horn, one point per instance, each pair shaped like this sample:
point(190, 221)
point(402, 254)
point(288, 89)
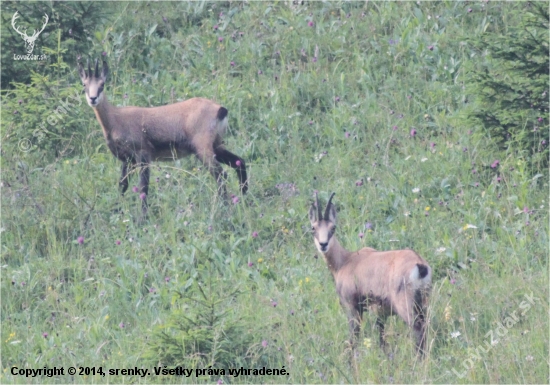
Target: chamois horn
point(327, 210)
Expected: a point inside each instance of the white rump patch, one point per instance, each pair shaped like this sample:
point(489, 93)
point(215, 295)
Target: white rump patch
point(221, 126)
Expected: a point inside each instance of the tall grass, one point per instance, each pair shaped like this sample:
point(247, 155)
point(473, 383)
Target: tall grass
point(363, 99)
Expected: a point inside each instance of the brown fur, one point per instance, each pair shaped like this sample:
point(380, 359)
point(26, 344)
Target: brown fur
point(138, 135)
point(377, 280)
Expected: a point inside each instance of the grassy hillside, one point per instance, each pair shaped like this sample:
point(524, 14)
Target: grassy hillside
point(363, 99)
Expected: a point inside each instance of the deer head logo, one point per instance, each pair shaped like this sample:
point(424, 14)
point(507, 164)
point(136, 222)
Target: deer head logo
point(29, 40)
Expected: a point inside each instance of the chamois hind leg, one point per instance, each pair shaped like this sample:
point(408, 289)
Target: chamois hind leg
point(419, 326)
point(207, 158)
point(413, 315)
point(226, 157)
point(144, 174)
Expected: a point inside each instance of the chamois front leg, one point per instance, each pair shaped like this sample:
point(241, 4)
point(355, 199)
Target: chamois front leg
point(380, 326)
point(144, 174)
point(354, 315)
point(124, 177)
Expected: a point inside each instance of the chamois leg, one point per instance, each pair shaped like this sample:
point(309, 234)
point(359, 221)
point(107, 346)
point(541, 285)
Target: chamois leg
point(215, 168)
point(380, 326)
point(124, 178)
point(419, 325)
point(226, 157)
point(413, 315)
point(144, 174)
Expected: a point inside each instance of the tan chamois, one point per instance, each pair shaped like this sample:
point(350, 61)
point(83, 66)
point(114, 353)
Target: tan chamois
point(138, 135)
point(386, 282)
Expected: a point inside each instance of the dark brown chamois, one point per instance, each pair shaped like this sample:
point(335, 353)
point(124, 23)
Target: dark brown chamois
point(137, 135)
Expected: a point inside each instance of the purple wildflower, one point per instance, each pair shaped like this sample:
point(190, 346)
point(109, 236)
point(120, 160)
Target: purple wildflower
point(104, 53)
point(361, 235)
point(216, 27)
point(264, 343)
point(142, 196)
point(80, 240)
point(431, 47)
point(238, 163)
point(413, 132)
point(232, 64)
point(495, 164)
point(121, 325)
point(432, 145)
point(314, 59)
point(117, 242)
point(310, 24)
point(45, 335)
point(250, 264)
point(274, 303)
point(135, 189)
point(255, 234)
point(347, 134)
point(220, 39)
point(368, 226)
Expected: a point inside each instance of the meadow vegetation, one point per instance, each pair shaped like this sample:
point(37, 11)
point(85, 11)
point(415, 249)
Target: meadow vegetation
point(371, 100)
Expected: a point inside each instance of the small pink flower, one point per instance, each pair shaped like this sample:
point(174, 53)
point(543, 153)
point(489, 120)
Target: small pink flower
point(45, 335)
point(310, 24)
point(142, 196)
point(413, 132)
point(347, 134)
point(235, 200)
point(431, 47)
point(540, 119)
point(232, 64)
point(394, 128)
point(238, 163)
point(274, 303)
point(135, 189)
point(432, 145)
point(314, 59)
point(255, 234)
point(495, 164)
point(469, 10)
point(220, 39)
point(117, 242)
point(359, 183)
point(264, 343)
point(250, 264)
point(361, 235)
point(121, 325)
point(453, 281)
point(216, 27)
point(525, 209)
point(80, 240)
point(220, 382)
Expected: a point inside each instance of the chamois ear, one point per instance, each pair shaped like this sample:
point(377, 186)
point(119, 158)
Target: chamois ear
point(81, 72)
point(312, 217)
point(104, 71)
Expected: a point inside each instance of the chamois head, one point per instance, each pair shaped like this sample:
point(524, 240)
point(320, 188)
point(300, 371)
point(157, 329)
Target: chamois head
point(94, 82)
point(323, 226)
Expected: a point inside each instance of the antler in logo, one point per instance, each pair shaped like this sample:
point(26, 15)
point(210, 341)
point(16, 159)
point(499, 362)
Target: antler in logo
point(29, 40)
